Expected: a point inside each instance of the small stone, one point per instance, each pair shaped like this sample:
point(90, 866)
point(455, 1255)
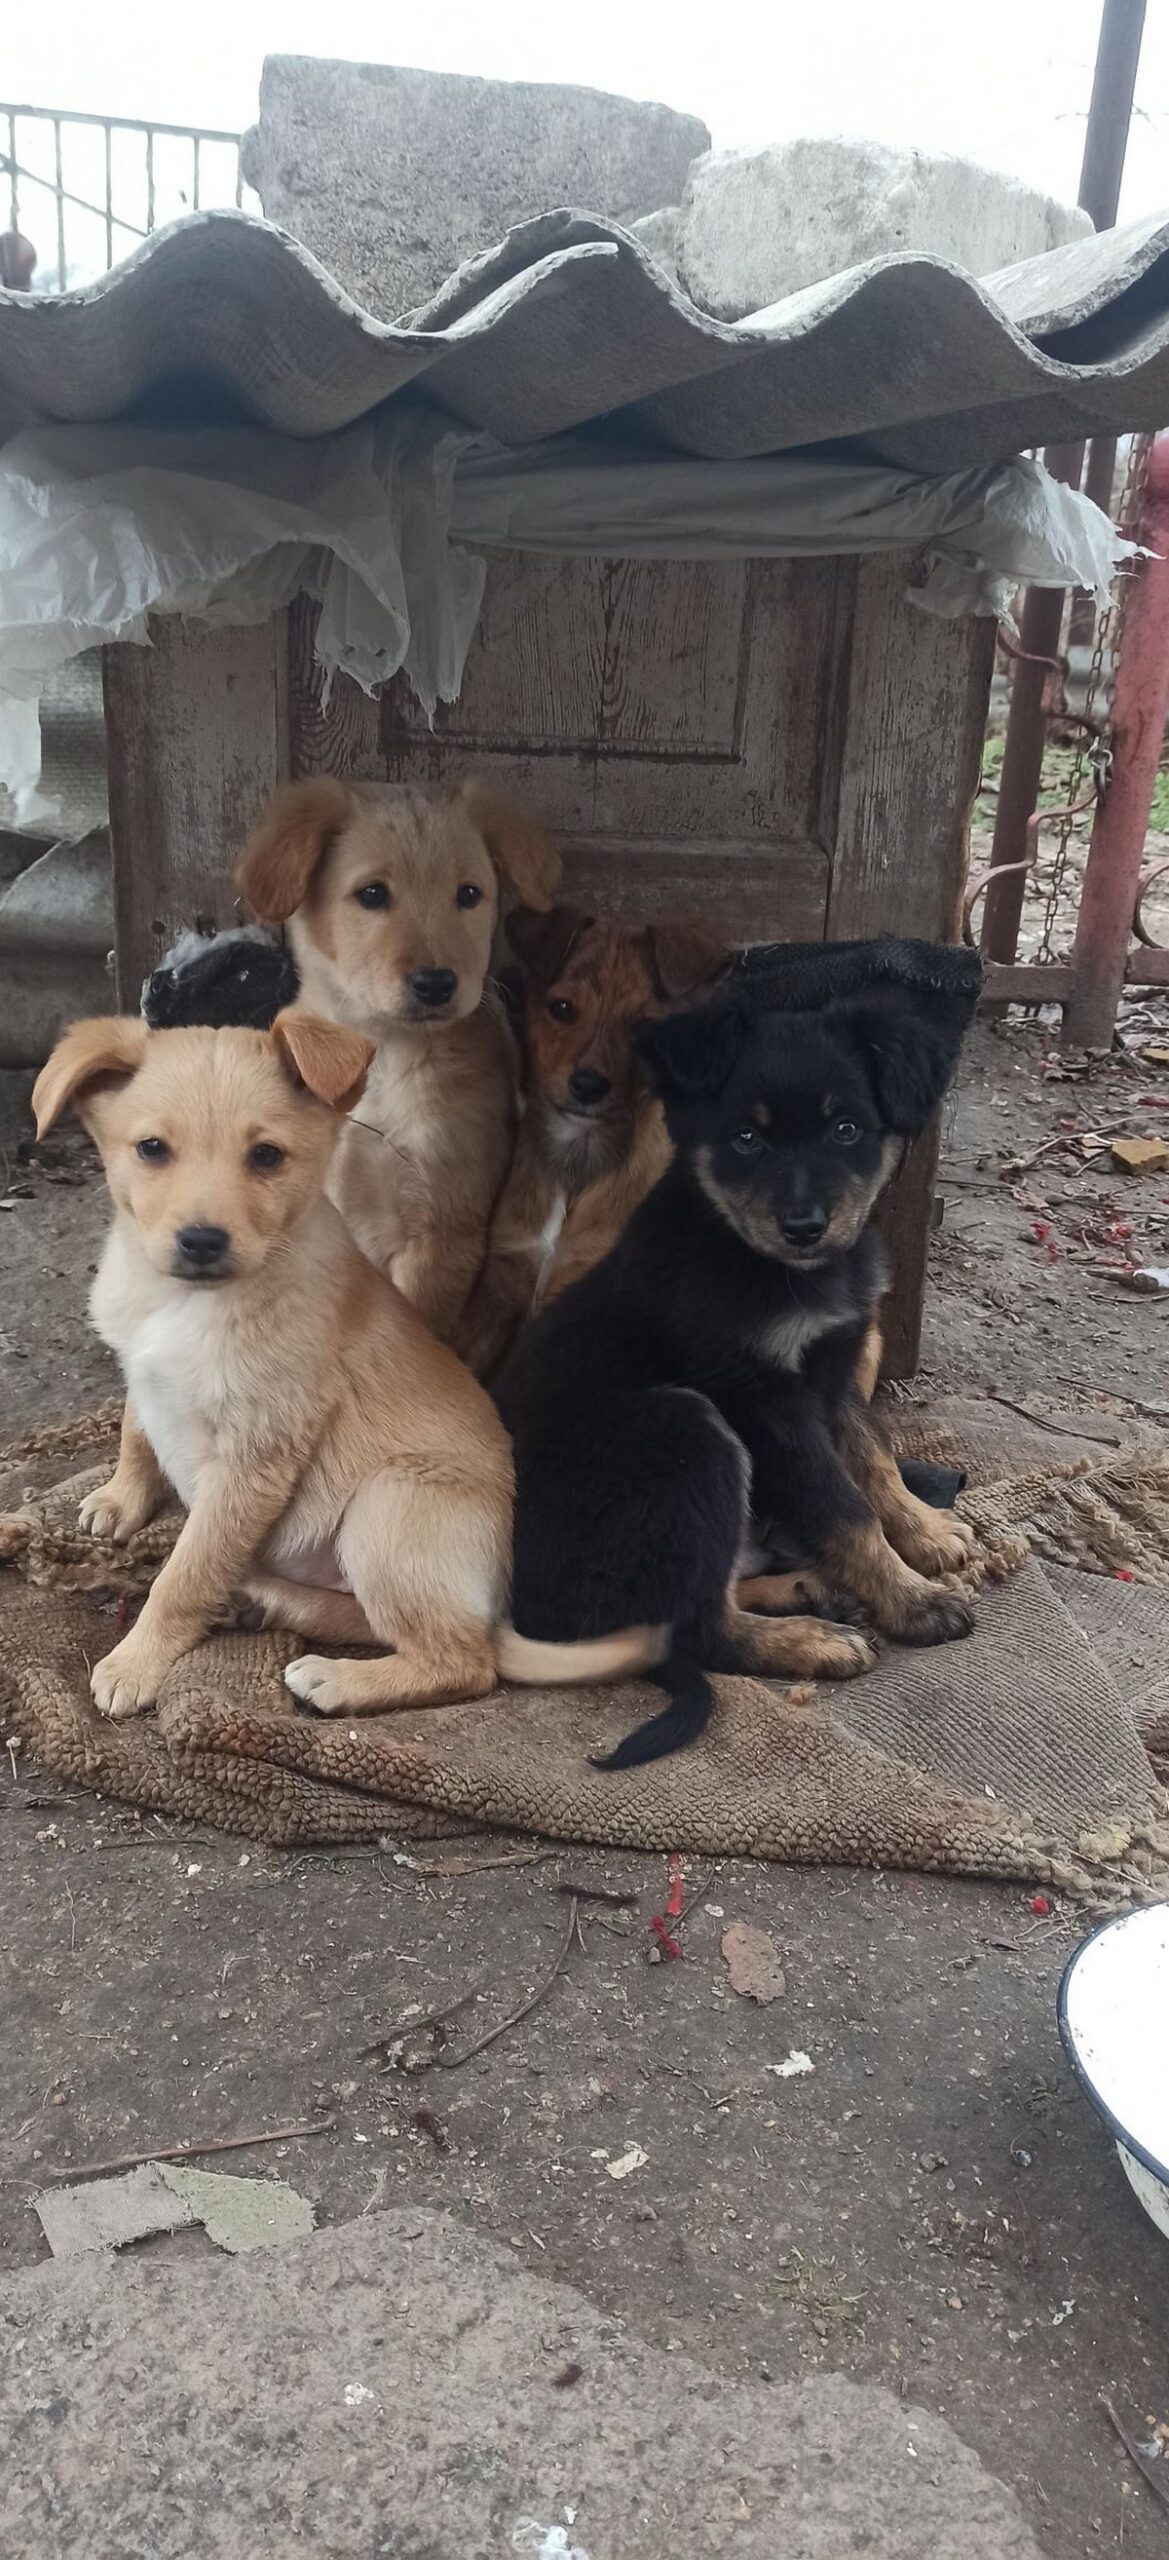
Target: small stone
point(1140, 1155)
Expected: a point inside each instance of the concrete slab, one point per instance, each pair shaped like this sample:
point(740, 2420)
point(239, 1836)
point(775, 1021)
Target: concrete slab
point(754, 226)
point(393, 177)
point(398, 2387)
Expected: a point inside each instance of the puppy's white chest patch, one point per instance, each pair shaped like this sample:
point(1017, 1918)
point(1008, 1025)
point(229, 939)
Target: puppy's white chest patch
point(181, 1439)
point(786, 1340)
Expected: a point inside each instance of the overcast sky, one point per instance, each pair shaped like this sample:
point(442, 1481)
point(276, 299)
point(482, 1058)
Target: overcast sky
point(1006, 81)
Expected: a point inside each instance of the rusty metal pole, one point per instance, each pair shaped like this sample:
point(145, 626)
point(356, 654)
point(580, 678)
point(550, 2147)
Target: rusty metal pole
point(1040, 624)
point(1118, 53)
point(1140, 705)
point(1113, 85)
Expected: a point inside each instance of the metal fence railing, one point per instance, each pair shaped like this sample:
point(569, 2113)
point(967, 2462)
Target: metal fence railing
point(82, 191)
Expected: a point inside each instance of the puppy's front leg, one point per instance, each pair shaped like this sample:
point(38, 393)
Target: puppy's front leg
point(136, 1489)
point(233, 1511)
point(933, 1542)
point(437, 1271)
point(802, 1479)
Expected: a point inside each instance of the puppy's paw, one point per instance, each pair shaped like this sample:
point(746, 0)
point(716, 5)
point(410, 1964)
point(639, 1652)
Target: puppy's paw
point(111, 1513)
point(934, 1543)
point(126, 1682)
point(936, 1617)
point(845, 1654)
point(319, 1684)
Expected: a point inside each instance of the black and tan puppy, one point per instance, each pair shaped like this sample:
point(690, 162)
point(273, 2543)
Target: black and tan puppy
point(703, 1375)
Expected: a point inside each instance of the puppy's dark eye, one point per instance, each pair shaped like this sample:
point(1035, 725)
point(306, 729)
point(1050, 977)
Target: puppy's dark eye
point(845, 1133)
point(264, 1157)
point(153, 1151)
point(469, 894)
point(561, 1010)
point(746, 1141)
point(372, 894)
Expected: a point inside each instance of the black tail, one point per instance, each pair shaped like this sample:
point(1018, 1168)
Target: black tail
point(939, 1486)
point(688, 1714)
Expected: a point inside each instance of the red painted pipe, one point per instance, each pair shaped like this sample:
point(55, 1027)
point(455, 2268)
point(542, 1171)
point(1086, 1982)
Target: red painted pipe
point(1140, 705)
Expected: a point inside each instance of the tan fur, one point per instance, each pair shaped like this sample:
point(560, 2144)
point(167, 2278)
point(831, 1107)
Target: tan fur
point(888, 1564)
point(575, 1179)
point(615, 1657)
point(869, 1358)
point(417, 1180)
point(932, 1542)
point(797, 1648)
point(329, 1452)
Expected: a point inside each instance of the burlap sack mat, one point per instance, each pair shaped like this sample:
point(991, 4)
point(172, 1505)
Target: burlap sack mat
point(1017, 1754)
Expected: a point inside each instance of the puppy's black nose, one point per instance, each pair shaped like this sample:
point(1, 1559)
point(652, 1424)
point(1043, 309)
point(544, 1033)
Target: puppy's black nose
point(200, 1250)
point(587, 1084)
point(432, 986)
point(807, 1228)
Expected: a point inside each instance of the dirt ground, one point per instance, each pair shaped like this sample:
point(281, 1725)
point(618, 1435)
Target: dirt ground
point(932, 2205)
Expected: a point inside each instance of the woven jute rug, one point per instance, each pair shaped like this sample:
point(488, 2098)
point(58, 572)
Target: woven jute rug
point(1033, 1751)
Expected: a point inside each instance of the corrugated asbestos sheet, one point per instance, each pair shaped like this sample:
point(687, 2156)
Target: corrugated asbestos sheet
point(568, 321)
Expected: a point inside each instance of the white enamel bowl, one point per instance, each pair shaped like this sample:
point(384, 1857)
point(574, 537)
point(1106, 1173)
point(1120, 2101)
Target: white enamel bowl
point(1114, 2020)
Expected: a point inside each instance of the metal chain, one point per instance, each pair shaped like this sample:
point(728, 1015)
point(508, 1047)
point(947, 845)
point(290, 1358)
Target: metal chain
point(1094, 749)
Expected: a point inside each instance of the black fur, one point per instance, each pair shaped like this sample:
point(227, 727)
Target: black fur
point(651, 1407)
point(240, 979)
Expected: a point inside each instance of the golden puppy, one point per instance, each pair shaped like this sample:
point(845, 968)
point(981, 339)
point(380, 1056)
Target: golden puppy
point(592, 1140)
point(336, 1462)
point(392, 896)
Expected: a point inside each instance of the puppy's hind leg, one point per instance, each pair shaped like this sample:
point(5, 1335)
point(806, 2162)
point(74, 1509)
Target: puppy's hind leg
point(333, 1617)
point(427, 1562)
point(791, 1648)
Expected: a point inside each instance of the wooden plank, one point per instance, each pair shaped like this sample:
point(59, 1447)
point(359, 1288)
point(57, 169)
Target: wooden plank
point(1026, 981)
point(699, 702)
point(906, 1220)
point(580, 652)
point(751, 894)
point(197, 738)
point(334, 727)
point(1147, 967)
point(918, 691)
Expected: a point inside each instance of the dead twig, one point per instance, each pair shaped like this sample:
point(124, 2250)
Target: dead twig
point(189, 2151)
point(425, 2025)
point(455, 2061)
point(713, 2099)
point(699, 1895)
point(600, 1893)
point(1149, 2471)
point(479, 1866)
point(1062, 1430)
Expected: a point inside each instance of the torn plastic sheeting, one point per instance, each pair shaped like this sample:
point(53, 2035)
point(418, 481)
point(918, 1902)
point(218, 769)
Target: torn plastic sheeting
point(102, 527)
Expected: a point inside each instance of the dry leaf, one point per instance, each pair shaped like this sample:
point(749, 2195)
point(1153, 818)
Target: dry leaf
point(752, 1963)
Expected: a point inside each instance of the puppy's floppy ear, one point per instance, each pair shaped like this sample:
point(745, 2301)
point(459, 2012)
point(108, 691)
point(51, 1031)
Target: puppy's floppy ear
point(543, 941)
point(88, 1054)
point(913, 1039)
point(689, 1055)
point(524, 855)
point(332, 1061)
point(287, 843)
point(683, 957)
